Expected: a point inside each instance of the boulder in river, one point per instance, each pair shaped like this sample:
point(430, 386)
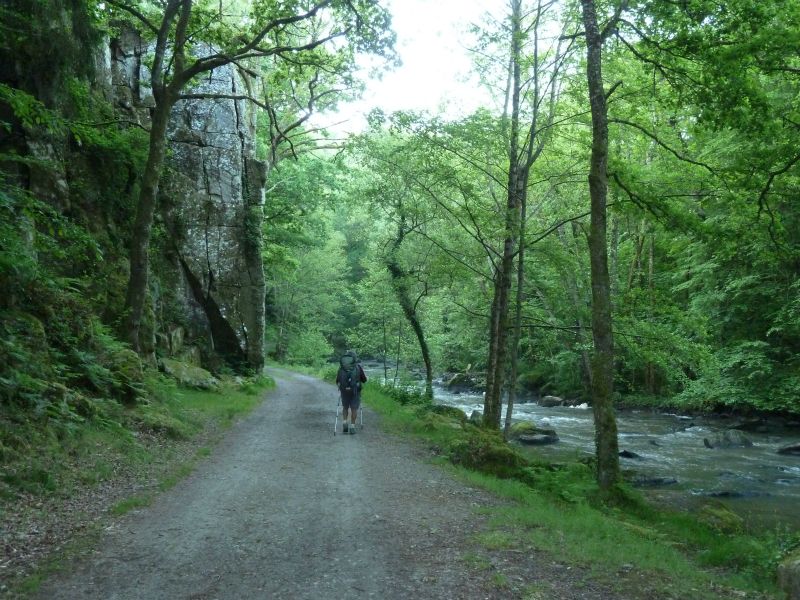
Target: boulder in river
point(463, 382)
point(648, 481)
point(791, 449)
point(522, 428)
point(730, 438)
point(539, 439)
point(551, 401)
point(629, 454)
point(526, 432)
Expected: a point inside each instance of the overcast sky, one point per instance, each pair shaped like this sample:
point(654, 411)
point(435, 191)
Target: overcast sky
point(431, 40)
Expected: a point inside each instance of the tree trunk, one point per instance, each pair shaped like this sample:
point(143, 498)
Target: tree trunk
point(399, 278)
point(498, 335)
point(385, 352)
point(512, 386)
point(603, 363)
point(650, 385)
point(145, 208)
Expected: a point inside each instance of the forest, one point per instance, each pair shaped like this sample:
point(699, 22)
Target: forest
point(444, 245)
point(618, 225)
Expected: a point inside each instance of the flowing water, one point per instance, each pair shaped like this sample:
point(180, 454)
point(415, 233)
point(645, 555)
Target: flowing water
point(672, 460)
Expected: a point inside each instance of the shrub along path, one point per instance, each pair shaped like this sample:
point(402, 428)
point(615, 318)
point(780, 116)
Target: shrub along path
point(285, 509)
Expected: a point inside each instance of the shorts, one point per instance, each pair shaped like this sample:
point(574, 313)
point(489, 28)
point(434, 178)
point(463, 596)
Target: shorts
point(351, 400)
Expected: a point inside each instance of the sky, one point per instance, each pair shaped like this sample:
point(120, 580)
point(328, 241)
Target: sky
point(432, 40)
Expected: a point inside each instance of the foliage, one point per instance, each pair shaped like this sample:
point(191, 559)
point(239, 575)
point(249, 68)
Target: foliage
point(57, 451)
point(557, 508)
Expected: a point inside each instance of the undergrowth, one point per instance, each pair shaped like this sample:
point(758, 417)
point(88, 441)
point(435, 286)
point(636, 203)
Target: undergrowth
point(557, 508)
point(52, 455)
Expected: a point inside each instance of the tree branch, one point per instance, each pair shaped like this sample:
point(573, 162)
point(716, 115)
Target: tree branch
point(655, 138)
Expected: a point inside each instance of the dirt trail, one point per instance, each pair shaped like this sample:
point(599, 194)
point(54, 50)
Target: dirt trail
point(285, 509)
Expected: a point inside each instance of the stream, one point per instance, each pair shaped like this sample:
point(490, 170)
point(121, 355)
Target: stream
point(673, 466)
point(673, 462)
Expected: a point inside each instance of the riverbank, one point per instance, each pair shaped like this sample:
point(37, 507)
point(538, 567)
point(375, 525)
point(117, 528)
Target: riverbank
point(555, 508)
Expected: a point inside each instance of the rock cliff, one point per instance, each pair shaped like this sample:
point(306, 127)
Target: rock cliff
point(211, 204)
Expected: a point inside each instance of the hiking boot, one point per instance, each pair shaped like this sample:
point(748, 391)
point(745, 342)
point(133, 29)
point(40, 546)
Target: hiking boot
point(352, 428)
point(344, 427)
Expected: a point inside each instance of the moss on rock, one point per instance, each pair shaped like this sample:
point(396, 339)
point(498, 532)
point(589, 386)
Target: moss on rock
point(189, 375)
point(720, 517)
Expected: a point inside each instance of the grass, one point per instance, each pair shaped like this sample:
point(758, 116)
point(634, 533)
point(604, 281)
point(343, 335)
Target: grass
point(45, 457)
point(556, 508)
point(49, 460)
point(129, 504)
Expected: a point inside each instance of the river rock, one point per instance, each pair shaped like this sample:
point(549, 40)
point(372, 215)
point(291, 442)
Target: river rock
point(476, 417)
point(791, 449)
point(522, 428)
point(630, 454)
point(551, 401)
point(647, 481)
point(463, 382)
point(730, 438)
point(542, 438)
point(526, 432)
point(789, 575)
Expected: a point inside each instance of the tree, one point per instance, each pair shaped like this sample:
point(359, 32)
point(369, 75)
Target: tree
point(526, 122)
point(603, 359)
point(282, 31)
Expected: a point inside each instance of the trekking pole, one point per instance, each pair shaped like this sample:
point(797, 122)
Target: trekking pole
point(336, 420)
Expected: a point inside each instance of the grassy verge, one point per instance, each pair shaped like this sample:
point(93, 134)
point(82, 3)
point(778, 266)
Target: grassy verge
point(629, 544)
point(111, 463)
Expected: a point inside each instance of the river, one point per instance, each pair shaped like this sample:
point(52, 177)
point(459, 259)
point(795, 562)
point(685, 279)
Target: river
point(673, 463)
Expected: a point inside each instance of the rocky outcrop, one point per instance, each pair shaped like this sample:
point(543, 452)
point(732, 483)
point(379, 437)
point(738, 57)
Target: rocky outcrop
point(212, 197)
point(188, 375)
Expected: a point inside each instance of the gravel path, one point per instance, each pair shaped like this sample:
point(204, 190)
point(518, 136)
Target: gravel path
point(285, 509)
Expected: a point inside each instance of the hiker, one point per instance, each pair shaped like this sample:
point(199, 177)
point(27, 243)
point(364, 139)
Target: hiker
point(349, 379)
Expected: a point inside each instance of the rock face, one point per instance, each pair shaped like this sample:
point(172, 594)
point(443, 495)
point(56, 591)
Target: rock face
point(212, 197)
point(189, 375)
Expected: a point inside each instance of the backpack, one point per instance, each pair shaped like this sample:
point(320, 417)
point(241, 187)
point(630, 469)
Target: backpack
point(349, 376)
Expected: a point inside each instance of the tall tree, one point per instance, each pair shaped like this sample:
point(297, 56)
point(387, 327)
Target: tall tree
point(603, 359)
point(527, 120)
point(409, 306)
